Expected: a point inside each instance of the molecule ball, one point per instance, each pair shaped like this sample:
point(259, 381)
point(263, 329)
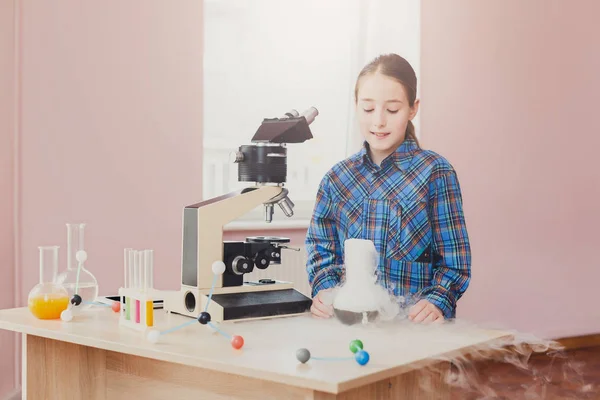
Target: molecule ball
point(237, 342)
point(204, 318)
point(362, 357)
point(153, 336)
point(66, 315)
point(303, 355)
point(76, 300)
point(81, 256)
point(356, 345)
point(116, 306)
point(218, 267)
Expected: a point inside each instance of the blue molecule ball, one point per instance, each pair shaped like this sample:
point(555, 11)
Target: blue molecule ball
point(361, 357)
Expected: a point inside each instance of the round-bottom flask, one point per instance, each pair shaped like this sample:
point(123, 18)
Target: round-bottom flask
point(47, 299)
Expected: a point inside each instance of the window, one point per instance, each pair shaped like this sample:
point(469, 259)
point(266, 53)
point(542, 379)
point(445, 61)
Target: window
point(265, 57)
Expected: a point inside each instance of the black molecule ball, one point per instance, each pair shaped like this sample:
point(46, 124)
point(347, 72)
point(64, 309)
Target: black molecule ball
point(204, 318)
point(76, 300)
point(303, 355)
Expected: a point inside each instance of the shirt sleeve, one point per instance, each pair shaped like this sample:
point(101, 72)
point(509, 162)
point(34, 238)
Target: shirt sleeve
point(452, 272)
point(325, 261)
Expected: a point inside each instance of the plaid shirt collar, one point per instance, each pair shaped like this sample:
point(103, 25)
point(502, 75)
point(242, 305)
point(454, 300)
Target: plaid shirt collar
point(402, 156)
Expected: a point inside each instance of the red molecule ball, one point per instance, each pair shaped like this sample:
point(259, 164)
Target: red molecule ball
point(237, 342)
point(116, 306)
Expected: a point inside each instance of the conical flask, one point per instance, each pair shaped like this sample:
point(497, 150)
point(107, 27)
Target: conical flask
point(77, 279)
point(47, 299)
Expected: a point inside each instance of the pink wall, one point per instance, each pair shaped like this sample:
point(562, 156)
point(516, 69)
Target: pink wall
point(7, 292)
point(112, 130)
point(510, 95)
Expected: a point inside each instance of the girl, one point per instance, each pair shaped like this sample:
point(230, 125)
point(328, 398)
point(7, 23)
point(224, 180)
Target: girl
point(405, 199)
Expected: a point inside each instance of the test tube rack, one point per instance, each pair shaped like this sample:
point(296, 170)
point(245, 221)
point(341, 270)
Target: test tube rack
point(136, 295)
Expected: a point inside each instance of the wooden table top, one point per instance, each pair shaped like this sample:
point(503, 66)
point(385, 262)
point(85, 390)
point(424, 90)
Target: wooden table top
point(269, 352)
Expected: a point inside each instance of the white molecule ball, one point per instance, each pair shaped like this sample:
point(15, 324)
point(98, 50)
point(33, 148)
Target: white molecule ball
point(66, 315)
point(153, 336)
point(218, 267)
point(81, 256)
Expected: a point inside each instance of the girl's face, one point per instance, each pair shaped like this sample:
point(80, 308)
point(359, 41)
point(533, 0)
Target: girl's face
point(383, 113)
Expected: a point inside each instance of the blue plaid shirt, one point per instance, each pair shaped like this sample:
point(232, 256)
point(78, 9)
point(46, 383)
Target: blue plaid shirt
point(411, 208)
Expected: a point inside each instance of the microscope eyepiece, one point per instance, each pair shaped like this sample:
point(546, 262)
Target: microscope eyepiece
point(290, 114)
point(310, 115)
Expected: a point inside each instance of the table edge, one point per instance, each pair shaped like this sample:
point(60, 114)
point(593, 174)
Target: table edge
point(275, 377)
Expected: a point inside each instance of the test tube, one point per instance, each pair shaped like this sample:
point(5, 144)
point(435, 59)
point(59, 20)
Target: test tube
point(149, 313)
point(145, 270)
point(130, 268)
point(137, 311)
point(136, 269)
point(126, 277)
point(149, 285)
point(142, 286)
point(148, 269)
point(151, 270)
point(141, 270)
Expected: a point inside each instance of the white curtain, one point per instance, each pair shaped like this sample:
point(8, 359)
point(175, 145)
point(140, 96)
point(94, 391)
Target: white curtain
point(384, 26)
point(263, 57)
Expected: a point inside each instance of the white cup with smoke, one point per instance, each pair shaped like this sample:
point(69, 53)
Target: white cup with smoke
point(360, 298)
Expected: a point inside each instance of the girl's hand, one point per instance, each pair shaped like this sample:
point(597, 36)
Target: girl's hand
point(424, 311)
point(321, 308)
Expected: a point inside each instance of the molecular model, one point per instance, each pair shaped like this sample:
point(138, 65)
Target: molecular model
point(76, 301)
point(356, 347)
point(237, 342)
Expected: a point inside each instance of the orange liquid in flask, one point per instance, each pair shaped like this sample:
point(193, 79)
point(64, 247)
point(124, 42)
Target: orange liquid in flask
point(48, 306)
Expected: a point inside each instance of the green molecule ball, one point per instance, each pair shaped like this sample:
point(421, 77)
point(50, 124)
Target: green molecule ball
point(356, 345)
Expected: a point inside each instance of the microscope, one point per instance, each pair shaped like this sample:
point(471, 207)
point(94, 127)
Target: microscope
point(263, 163)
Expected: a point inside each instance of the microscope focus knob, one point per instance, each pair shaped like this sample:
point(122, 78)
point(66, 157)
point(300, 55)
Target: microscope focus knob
point(262, 260)
point(241, 265)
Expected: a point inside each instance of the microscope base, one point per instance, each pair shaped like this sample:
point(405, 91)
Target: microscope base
point(264, 304)
point(246, 303)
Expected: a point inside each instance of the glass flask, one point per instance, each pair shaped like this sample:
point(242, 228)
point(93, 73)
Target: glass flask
point(78, 280)
point(47, 299)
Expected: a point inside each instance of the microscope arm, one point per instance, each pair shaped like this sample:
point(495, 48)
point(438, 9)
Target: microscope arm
point(211, 215)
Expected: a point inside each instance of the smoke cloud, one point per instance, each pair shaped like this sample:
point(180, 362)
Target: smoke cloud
point(540, 363)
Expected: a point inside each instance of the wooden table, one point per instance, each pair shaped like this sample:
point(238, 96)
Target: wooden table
point(92, 357)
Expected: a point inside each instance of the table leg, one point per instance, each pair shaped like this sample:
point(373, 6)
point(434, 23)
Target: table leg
point(59, 370)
